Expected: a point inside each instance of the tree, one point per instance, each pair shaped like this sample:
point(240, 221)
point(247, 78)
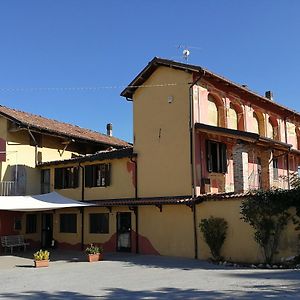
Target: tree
point(267, 212)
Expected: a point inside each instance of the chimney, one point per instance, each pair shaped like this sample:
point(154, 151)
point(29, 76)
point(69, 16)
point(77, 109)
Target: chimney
point(269, 95)
point(109, 129)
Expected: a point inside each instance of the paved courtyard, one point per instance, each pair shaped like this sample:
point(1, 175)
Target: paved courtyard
point(126, 276)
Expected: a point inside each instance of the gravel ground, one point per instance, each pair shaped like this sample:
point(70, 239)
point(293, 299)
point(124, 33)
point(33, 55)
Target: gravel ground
point(126, 276)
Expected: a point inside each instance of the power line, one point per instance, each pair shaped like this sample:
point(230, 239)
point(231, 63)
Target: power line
point(88, 88)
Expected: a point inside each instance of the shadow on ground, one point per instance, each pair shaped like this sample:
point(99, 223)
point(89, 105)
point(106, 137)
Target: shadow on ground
point(265, 291)
point(288, 275)
point(164, 262)
point(291, 292)
point(45, 295)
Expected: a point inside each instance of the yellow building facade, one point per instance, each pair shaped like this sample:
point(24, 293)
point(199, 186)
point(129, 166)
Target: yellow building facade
point(200, 143)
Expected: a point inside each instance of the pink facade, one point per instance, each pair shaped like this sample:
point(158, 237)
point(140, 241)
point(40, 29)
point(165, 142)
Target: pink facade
point(269, 156)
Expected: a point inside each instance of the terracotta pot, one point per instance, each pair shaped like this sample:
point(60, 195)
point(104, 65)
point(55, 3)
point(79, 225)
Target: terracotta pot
point(41, 263)
point(95, 257)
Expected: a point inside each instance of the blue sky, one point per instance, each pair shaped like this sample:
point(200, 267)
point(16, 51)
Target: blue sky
point(91, 43)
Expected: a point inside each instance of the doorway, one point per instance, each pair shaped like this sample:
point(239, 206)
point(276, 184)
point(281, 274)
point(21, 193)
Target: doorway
point(47, 230)
point(124, 231)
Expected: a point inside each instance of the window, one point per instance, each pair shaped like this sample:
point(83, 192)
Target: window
point(99, 223)
point(68, 223)
point(216, 157)
point(97, 175)
point(45, 181)
point(31, 223)
point(275, 169)
point(17, 224)
point(65, 178)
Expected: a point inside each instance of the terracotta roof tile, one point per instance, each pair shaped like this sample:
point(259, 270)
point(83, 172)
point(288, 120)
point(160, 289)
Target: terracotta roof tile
point(24, 119)
point(175, 200)
point(98, 156)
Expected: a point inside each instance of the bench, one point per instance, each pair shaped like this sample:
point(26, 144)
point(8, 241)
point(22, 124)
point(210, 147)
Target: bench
point(11, 241)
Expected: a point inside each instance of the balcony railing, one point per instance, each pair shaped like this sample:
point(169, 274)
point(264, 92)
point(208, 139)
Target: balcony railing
point(8, 188)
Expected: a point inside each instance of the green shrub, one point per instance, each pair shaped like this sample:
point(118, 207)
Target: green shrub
point(214, 231)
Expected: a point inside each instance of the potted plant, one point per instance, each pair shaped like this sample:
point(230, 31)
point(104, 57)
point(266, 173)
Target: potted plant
point(41, 258)
point(95, 253)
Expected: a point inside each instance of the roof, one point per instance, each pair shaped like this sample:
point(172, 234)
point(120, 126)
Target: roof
point(244, 136)
point(144, 201)
point(221, 81)
point(98, 156)
point(175, 200)
point(53, 127)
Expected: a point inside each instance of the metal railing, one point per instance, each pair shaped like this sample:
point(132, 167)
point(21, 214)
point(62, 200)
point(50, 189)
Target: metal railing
point(8, 188)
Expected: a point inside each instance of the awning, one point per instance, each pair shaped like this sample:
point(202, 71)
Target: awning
point(42, 202)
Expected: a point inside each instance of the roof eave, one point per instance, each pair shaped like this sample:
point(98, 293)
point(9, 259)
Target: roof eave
point(155, 62)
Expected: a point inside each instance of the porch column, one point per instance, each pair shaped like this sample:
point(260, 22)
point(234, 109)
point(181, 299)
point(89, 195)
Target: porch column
point(240, 166)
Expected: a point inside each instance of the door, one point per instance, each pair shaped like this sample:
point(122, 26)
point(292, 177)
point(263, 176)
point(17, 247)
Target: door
point(47, 230)
point(124, 231)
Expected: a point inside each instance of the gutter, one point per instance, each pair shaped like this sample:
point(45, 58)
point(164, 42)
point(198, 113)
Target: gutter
point(82, 209)
point(287, 157)
point(136, 210)
point(35, 145)
point(192, 158)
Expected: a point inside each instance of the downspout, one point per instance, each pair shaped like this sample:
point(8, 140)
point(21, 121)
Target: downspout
point(35, 145)
point(287, 157)
point(192, 159)
point(82, 209)
point(136, 211)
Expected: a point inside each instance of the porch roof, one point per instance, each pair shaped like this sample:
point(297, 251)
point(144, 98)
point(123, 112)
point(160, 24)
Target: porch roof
point(244, 136)
point(42, 202)
point(175, 200)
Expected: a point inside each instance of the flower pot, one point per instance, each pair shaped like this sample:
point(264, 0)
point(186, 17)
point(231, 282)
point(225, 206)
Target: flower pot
point(41, 263)
point(95, 257)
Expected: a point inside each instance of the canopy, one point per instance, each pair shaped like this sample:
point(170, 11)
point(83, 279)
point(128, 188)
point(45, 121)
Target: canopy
point(39, 202)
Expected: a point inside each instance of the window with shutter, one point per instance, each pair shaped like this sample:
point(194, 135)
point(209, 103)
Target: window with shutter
point(98, 175)
point(66, 178)
point(216, 157)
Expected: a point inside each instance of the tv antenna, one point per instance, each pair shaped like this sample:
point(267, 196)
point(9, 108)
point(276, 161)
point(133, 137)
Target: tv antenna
point(186, 51)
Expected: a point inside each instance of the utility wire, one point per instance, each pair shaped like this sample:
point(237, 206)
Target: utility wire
point(88, 88)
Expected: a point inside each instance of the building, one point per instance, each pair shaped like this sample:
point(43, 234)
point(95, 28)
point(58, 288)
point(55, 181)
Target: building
point(201, 142)
point(27, 140)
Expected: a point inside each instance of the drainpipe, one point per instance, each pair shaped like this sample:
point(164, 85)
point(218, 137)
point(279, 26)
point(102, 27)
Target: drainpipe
point(35, 145)
point(82, 209)
point(136, 211)
point(192, 159)
point(287, 156)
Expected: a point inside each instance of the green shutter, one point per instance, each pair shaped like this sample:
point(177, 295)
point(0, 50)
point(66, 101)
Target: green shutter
point(223, 158)
point(75, 177)
point(208, 155)
point(107, 174)
point(58, 180)
point(88, 176)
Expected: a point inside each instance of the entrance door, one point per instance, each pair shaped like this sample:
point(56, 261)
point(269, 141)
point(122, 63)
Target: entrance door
point(124, 231)
point(47, 230)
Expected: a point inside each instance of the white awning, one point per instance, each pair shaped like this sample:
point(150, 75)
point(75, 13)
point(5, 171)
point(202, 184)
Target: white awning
point(39, 202)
